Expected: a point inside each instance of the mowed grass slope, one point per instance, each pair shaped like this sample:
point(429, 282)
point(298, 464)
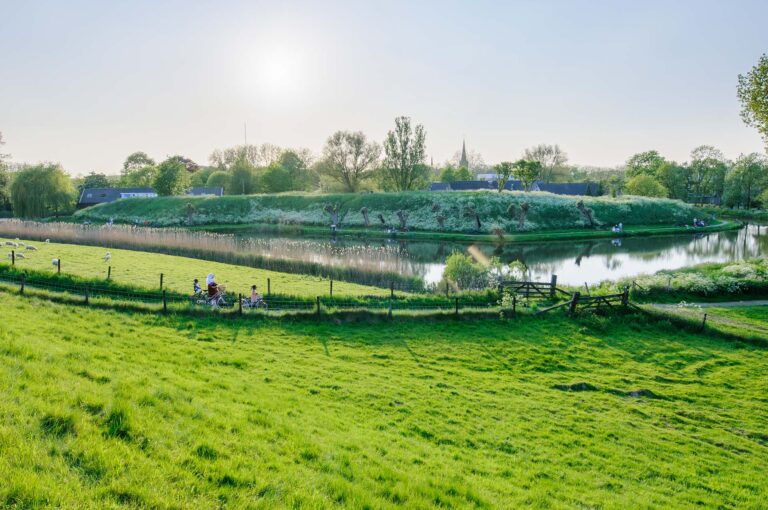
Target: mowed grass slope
point(106, 409)
point(143, 269)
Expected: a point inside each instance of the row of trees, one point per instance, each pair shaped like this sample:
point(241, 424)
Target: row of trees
point(706, 176)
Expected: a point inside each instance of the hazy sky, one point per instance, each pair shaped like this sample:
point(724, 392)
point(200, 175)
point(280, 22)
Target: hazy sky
point(85, 83)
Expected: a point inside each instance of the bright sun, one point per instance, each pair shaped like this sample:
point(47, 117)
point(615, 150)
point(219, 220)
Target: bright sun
point(279, 72)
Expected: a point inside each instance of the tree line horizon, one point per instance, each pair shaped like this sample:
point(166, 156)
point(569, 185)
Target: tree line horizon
point(350, 162)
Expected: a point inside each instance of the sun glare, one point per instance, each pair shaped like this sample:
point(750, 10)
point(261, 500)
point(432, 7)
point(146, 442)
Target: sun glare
point(279, 72)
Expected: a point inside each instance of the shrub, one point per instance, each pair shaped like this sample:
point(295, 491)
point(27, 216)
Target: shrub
point(464, 272)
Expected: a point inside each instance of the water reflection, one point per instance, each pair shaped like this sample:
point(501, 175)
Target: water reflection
point(575, 262)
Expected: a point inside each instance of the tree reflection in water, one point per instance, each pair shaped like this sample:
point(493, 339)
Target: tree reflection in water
point(575, 262)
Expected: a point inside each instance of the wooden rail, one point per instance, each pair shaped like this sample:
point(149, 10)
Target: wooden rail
point(545, 290)
point(579, 302)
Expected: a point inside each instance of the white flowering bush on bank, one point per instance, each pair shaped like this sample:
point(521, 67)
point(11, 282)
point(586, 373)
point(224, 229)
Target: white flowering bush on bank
point(427, 211)
point(748, 277)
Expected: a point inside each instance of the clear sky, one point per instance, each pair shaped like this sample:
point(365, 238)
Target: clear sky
point(85, 83)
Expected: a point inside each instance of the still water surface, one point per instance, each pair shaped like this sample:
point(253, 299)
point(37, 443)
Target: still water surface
point(574, 262)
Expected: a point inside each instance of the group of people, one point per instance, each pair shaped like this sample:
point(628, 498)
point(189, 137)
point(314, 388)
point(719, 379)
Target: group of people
point(618, 229)
point(214, 293)
point(699, 223)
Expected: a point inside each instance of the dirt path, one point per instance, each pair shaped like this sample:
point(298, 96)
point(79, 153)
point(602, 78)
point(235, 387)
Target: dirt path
point(724, 304)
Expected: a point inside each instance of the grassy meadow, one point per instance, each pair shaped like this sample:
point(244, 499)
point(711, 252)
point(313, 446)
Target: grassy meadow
point(143, 269)
point(106, 409)
point(496, 210)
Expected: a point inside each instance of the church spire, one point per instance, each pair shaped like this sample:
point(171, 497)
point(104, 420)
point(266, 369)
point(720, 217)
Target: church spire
point(463, 162)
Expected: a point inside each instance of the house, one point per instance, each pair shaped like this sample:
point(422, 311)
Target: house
point(570, 188)
point(93, 196)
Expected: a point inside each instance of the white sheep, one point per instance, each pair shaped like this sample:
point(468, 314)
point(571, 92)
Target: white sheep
point(55, 262)
point(107, 257)
point(18, 256)
point(30, 247)
point(47, 240)
point(10, 243)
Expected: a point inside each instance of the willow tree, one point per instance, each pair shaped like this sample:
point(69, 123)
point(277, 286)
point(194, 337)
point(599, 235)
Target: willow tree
point(349, 158)
point(41, 191)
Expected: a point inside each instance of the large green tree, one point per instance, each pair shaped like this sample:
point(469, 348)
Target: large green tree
point(41, 191)
point(404, 150)
point(706, 172)
point(645, 185)
point(219, 179)
point(746, 180)
point(349, 159)
point(551, 157)
point(172, 177)
point(94, 180)
point(299, 174)
point(527, 172)
point(138, 170)
point(753, 94)
point(242, 178)
point(647, 163)
point(504, 172)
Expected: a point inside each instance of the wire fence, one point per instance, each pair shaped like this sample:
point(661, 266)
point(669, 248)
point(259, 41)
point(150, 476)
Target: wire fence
point(165, 301)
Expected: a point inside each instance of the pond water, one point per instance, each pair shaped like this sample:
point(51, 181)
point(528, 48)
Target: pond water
point(574, 262)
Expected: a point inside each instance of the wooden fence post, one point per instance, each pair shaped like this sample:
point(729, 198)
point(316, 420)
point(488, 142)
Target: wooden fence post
point(457, 305)
point(58, 266)
point(586, 287)
point(240, 304)
point(161, 281)
point(553, 286)
point(704, 322)
point(23, 279)
point(86, 294)
point(318, 306)
point(574, 302)
point(625, 296)
point(13, 257)
point(165, 303)
point(109, 273)
point(269, 287)
point(331, 291)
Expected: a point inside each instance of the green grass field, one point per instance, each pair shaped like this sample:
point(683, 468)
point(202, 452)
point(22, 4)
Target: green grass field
point(143, 269)
point(114, 410)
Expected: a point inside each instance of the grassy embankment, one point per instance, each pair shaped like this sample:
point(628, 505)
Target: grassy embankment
point(142, 269)
point(498, 212)
point(754, 215)
point(107, 409)
point(727, 281)
point(749, 323)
